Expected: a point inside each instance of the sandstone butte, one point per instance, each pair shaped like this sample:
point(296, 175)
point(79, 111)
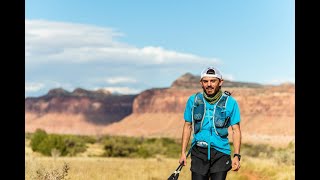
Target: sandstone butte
point(267, 112)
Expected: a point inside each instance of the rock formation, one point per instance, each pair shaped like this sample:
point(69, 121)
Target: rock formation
point(267, 112)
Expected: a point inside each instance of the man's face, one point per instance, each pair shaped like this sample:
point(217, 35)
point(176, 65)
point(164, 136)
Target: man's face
point(210, 85)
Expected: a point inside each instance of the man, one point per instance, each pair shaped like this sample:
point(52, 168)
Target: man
point(209, 114)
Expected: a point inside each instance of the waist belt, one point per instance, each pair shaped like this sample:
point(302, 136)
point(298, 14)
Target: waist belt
point(202, 144)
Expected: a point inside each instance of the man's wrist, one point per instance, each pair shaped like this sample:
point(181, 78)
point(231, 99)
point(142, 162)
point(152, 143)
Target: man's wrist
point(238, 155)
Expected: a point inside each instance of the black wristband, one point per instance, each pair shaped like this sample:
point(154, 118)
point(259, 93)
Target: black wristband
point(238, 155)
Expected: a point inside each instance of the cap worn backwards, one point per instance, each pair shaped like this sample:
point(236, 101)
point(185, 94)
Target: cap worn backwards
point(211, 72)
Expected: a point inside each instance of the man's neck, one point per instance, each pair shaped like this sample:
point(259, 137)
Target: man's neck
point(212, 99)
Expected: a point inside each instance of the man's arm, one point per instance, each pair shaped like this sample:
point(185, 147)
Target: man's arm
point(187, 128)
point(236, 144)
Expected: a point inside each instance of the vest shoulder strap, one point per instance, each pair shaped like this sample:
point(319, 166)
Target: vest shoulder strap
point(198, 99)
point(222, 102)
point(198, 107)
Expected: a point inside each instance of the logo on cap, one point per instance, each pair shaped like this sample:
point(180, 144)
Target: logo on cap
point(211, 71)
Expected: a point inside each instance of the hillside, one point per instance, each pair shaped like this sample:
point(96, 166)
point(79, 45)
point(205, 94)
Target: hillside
point(267, 112)
point(78, 112)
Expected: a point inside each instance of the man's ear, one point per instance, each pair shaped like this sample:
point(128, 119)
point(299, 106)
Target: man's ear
point(221, 82)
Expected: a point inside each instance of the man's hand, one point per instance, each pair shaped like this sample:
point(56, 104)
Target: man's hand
point(235, 164)
point(187, 128)
point(183, 159)
point(236, 144)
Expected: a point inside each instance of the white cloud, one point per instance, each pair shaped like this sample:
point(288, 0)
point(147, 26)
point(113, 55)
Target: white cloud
point(117, 80)
point(33, 87)
point(80, 55)
point(121, 90)
point(281, 81)
point(228, 77)
point(44, 86)
point(48, 41)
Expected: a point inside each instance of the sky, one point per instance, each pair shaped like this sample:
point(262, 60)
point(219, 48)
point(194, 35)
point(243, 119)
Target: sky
point(127, 46)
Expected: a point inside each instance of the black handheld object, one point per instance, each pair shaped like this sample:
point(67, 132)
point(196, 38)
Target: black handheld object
point(175, 174)
point(226, 122)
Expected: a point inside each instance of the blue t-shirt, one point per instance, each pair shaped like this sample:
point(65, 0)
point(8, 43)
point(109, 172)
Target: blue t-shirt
point(217, 142)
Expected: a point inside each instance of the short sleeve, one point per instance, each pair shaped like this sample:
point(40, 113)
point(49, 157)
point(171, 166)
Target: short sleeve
point(188, 109)
point(235, 114)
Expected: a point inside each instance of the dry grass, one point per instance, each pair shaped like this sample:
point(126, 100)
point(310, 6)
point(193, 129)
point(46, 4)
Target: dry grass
point(86, 167)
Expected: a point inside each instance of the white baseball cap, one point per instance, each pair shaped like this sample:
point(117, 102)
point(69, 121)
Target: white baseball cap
point(211, 72)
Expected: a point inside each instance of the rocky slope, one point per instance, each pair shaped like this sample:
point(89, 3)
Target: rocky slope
point(80, 111)
point(267, 112)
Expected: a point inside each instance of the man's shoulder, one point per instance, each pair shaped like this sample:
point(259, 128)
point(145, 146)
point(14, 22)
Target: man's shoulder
point(192, 96)
point(232, 100)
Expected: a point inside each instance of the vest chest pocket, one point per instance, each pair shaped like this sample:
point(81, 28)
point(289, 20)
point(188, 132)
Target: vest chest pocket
point(219, 117)
point(221, 121)
point(198, 113)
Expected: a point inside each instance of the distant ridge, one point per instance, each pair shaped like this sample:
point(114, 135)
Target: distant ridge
point(190, 81)
point(267, 111)
point(99, 107)
point(78, 92)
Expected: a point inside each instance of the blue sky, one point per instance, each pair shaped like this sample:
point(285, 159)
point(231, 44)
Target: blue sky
point(129, 46)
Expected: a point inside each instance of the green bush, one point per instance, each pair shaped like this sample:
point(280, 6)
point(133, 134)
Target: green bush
point(66, 145)
point(286, 155)
point(257, 150)
point(52, 142)
point(37, 138)
point(122, 146)
point(140, 147)
point(76, 144)
point(281, 155)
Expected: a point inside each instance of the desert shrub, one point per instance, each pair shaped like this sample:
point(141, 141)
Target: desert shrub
point(280, 155)
point(52, 141)
point(120, 146)
point(67, 145)
point(55, 174)
point(257, 150)
point(119, 149)
point(87, 139)
point(37, 138)
point(75, 144)
point(140, 147)
point(286, 155)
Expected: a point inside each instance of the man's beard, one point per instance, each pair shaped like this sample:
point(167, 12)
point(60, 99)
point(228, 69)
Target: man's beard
point(213, 90)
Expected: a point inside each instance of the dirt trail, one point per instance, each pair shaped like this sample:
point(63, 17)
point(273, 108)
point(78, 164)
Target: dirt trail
point(251, 175)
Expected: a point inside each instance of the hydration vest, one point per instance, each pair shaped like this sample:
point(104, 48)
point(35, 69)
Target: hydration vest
point(220, 122)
